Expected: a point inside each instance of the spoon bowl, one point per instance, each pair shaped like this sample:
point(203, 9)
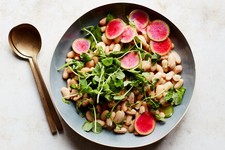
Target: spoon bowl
point(25, 41)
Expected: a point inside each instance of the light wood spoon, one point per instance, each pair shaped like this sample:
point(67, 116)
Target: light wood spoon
point(25, 41)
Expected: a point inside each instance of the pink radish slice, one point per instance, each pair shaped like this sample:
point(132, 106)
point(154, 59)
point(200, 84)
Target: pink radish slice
point(81, 45)
point(128, 34)
point(130, 60)
point(158, 30)
point(144, 124)
point(161, 48)
point(114, 28)
point(140, 19)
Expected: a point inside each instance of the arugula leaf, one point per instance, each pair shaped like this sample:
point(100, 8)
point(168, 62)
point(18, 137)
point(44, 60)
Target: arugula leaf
point(87, 126)
point(85, 57)
point(120, 75)
point(108, 61)
point(175, 96)
point(154, 104)
point(152, 85)
point(109, 17)
point(97, 128)
point(155, 58)
point(65, 101)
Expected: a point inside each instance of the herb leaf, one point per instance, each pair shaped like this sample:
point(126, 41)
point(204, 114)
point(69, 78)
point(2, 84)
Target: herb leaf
point(175, 96)
point(87, 126)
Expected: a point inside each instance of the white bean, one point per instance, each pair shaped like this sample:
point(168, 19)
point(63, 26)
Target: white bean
point(102, 22)
point(121, 130)
point(65, 74)
point(117, 47)
point(90, 64)
point(105, 39)
point(65, 92)
point(71, 54)
point(169, 75)
point(131, 112)
point(167, 86)
point(176, 77)
point(171, 61)
point(146, 65)
point(179, 84)
point(119, 117)
point(103, 28)
point(101, 44)
point(142, 109)
point(131, 127)
point(178, 69)
point(177, 57)
point(128, 120)
point(159, 68)
point(101, 122)
point(103, 115)
point(159, 89)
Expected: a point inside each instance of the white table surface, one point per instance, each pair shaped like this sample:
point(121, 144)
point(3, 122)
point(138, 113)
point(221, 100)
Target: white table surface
point(22, 120)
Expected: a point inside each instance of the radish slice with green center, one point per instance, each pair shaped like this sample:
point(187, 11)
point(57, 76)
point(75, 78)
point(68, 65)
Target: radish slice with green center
point(81, 45)
point(114, 28)
point(128, 34)
point(130, 60)
point(158, 30)
point(140, 19)
point(161, 48)
point(144, 124)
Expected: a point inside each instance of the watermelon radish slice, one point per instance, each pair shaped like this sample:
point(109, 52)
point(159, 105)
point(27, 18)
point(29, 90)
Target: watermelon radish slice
point(128, 34)
point(114, 28)
point(140, 19)
point(161, 48)
point(81, 45)
point(130, 60)
point(144, 124)
point(158, 30)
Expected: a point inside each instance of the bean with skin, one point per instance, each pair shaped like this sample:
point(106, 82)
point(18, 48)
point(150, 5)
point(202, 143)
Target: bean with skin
point(103, 115)
point(89, 116)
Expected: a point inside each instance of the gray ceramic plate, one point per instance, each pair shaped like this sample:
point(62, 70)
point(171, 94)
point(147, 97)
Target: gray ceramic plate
point(69, 113)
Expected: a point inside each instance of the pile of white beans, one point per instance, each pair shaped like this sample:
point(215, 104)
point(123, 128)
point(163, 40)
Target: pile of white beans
point(167, 70)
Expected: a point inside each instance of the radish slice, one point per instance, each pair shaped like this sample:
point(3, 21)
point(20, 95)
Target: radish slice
point(128, 34)
point(161, 48)
point(158, 30)
point(130, 60)
point(81, 45)
point(114, 28)
point(144, 124)
point(140, 19)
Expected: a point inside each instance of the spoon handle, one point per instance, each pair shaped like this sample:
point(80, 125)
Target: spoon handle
point(48, 98)
point(43, 99)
